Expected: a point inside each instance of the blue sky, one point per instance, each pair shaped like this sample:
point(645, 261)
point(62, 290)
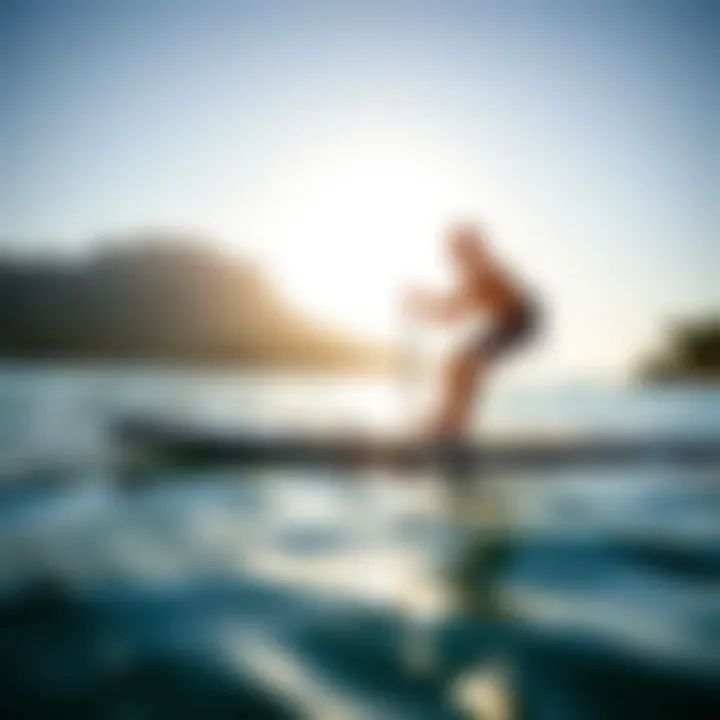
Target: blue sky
point(306, 133)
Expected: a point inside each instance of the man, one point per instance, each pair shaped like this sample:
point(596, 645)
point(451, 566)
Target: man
point(482, 288)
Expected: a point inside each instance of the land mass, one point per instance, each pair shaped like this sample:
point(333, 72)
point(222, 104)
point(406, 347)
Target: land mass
point(690, 353)
point(166, 297)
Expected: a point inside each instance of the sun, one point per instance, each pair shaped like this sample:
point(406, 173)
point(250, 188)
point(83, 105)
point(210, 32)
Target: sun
point(356, 220)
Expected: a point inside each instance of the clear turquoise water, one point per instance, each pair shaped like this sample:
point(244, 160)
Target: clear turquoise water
point(287, 593)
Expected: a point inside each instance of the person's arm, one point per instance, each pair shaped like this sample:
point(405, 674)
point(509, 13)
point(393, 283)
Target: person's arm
point(438, 308)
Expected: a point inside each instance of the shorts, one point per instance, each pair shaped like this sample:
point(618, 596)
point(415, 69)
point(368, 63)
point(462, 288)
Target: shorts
point(508, 334)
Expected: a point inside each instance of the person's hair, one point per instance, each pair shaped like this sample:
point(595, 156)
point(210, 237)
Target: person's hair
point(466, 233)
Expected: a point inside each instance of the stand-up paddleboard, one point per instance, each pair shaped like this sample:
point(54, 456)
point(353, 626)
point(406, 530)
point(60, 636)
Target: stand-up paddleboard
point(168, 442)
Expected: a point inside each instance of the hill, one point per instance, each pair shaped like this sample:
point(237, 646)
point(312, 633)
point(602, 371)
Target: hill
point(164, 297)
point(691, 353)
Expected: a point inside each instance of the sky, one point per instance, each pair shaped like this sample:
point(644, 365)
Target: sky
point(333, 141)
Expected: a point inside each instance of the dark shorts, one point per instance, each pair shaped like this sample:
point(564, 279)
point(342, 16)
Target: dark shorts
point(508, 334)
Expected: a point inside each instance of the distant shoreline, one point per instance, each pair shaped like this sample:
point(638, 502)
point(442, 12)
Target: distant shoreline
point(279, 370)
point(688, 382)
point(171, 364)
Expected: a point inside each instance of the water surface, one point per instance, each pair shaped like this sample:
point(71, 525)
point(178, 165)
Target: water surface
point(281, 594)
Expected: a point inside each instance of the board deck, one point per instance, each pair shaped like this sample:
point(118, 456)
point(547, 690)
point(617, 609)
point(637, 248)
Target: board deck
point(175, 443)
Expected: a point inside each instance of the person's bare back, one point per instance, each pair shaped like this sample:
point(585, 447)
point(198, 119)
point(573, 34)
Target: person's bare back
point(481, 278)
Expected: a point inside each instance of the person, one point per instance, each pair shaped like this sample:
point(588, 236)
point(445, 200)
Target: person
point(482, 287)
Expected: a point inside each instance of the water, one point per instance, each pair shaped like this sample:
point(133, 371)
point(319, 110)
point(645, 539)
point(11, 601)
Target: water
point(283, 594)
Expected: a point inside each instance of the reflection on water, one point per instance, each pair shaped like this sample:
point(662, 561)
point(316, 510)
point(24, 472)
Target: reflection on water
point(271, 594)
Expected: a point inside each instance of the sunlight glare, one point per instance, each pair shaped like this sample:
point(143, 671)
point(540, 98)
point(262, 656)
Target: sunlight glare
point(358, 222)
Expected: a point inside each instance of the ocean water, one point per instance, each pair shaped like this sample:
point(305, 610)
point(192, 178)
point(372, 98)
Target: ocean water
point(269, 593)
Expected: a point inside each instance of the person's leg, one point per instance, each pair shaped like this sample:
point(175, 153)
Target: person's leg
point(461, 377)
point(468, 368)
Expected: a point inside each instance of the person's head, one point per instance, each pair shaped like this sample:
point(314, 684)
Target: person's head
point(465, 245)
